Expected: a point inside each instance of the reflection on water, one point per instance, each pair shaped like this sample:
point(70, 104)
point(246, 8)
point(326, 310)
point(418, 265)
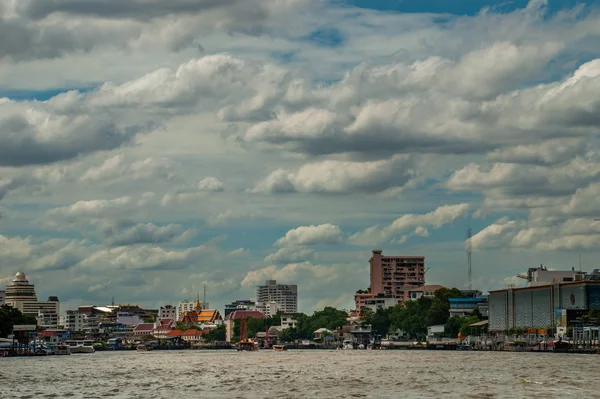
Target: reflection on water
point(294, 374)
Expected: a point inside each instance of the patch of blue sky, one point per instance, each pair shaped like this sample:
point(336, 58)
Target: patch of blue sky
point(284, 57)
point(326, 37)
point(39, 95)
point(457, 7)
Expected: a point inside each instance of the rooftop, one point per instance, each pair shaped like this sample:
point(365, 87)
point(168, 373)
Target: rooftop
point(245, 314)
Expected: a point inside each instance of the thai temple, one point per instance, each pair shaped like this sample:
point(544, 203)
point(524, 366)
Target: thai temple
point(201, 316)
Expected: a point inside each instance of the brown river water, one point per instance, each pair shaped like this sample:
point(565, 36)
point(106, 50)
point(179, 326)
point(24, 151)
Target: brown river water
point(302, 374)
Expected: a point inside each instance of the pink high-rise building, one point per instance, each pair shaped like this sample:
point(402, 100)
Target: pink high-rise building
point(393, 277)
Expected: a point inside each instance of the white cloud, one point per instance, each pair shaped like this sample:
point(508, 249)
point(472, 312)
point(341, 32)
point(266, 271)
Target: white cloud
point(211, 184)
point(129, 233)
point(91, 208)
point(437, 218)
point(290, 255)
point(311, 235)
point(341, 177)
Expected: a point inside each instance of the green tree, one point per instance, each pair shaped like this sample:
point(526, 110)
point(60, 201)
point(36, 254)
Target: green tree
point(411, 317)
point(216, 334)
point(366, 315)
point(453, 326)
point(10, 316)
point(380, 321)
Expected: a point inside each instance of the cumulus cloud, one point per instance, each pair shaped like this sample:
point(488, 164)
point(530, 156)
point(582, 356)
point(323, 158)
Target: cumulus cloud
point(147, 257)
point(339, 177)
point(33, 133)
point(437, 218)
point(126, 232)
point(311, 235)
point(91, 208)
point(211, 184)
point(290, 255)
point(116, 167)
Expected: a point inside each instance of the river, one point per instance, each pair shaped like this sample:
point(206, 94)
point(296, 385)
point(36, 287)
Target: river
point(301, 374)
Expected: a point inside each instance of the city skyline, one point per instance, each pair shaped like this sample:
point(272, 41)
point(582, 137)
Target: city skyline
point(147, 151)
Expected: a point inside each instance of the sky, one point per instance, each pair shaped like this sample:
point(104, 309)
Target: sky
point(149, 149)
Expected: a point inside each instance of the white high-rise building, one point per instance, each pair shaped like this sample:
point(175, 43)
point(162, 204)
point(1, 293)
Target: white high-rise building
point(285, 295)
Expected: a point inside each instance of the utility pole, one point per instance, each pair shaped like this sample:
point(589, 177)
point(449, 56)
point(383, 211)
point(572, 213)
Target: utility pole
point(469, 252)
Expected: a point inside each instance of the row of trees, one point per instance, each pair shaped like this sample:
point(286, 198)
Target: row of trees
point(10, 316)
point(414, 317)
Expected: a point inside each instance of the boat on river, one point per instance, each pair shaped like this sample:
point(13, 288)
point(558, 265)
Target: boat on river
point(279, 348)
point(84, 346)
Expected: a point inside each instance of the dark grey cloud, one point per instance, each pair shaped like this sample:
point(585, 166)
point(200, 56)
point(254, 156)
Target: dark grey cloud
point(21, 41)
point(49, 138)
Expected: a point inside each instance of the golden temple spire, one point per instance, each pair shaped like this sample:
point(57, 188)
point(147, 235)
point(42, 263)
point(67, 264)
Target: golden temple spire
point(198, 307)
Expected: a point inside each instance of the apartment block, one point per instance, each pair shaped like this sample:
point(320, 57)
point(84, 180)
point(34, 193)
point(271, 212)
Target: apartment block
point(392, 277)
point(285, 295)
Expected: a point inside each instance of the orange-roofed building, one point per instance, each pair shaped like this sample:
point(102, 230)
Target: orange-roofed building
point(201, 316)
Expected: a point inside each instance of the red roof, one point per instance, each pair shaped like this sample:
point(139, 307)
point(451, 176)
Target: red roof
point(144, 327)
point(246, 314)
point(192, 333)
point(175, 333)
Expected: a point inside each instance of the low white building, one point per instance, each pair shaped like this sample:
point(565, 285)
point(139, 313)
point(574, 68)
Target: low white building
point(435, 331)
point(380, 303)
point(289, 320)
point(167, 312)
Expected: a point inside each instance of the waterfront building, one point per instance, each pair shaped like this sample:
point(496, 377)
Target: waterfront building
point(198, 315)
point(379, 302)
point(47, 318)
point(241, 304)
point(186, 306)
point(285, 295)
point(427, 291)
point(167, 312)
point(392, 277)
point(270, 308)
point(2, 295)
point(19, 290)
point(238, 315)
point(289, 320)
point(163, 327)
point(129, 319)
point(144, 330)
point(75, 320)
point(541, 275)
point(543, 305)
point(20, 294)
point(464, 306)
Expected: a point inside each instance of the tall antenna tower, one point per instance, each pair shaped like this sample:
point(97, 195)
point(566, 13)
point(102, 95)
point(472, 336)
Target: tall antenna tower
point(469, 252)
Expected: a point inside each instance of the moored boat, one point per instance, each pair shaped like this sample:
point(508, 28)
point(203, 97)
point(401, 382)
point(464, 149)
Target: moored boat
point(143, 348)
point(85, 346)
point(279, 348)
point(62, 350)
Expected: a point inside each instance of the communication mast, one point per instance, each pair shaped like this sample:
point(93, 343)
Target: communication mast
point(469, 252)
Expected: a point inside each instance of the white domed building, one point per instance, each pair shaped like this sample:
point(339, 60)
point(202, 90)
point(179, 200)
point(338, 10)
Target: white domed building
point(19, 291)
point(21, 295)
